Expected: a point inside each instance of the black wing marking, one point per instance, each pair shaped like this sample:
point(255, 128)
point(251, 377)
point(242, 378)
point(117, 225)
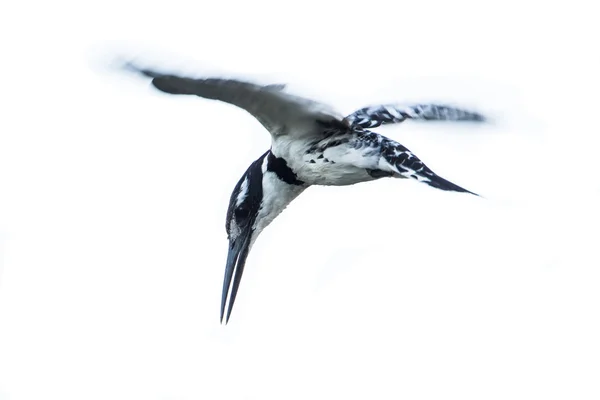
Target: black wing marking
point(404, 162)
point(373, 116)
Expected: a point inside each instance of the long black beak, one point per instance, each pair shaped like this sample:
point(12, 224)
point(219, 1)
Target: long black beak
point(236, 259)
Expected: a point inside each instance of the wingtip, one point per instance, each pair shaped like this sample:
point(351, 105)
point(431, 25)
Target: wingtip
point(130, 66)
point(473, 117)
point(161, 81)
point(480, 118)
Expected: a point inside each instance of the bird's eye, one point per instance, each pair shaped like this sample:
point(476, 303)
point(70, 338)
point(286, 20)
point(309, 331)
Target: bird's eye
point(242, 212)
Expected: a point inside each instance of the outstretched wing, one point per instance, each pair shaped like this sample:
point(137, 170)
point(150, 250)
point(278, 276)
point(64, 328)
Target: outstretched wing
point(373, 116)
point(281, 113)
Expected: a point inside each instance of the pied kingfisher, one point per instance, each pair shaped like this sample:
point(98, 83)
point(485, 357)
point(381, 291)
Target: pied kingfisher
point(311, 145)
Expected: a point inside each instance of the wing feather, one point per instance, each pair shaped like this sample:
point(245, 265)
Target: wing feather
point(373, 116)
point(279, 112)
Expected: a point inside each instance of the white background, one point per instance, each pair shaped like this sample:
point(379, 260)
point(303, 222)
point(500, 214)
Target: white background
point(113, 200)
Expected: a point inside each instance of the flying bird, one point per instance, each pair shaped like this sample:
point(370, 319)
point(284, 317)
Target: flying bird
point(311, 144)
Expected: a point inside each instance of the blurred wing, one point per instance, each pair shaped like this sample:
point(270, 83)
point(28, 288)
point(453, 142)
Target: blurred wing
point(373, 116)
point(281, 113)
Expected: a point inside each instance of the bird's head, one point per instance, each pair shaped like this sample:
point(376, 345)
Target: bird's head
point(258, 197)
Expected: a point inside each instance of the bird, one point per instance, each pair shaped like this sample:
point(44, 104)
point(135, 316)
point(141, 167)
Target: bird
point(311, 144)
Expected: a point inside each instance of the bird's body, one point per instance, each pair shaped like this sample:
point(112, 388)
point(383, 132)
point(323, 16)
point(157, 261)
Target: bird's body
point(337, 160)
point(311, 145)
point(351, 155)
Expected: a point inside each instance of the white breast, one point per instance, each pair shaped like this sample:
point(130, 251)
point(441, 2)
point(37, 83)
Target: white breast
point(276, 197)
point(335, 166)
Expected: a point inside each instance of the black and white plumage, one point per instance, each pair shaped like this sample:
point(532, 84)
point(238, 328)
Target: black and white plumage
point(372, 117)
point(311, 145)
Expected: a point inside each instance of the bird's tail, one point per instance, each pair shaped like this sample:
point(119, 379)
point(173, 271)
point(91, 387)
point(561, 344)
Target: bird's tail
point(438, 182)
point(406, 164)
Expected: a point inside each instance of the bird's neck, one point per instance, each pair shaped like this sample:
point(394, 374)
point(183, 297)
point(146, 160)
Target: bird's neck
point(279, 167)
point(280, 188)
